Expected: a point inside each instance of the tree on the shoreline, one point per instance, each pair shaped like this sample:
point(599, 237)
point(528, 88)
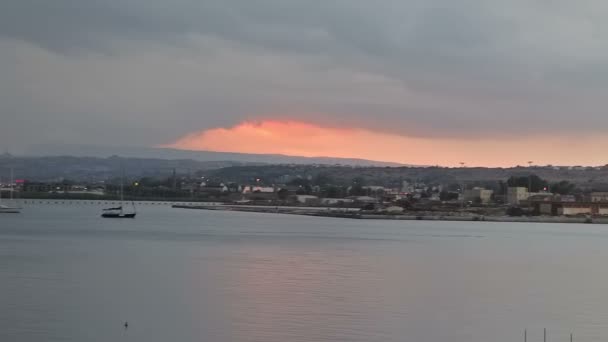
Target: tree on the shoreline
point(535, 183)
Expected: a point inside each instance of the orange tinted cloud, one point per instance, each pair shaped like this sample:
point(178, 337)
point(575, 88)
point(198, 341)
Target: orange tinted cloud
point(306, 139)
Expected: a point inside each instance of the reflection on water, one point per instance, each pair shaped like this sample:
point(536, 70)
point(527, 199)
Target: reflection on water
point(323, 295)
point(184, 275)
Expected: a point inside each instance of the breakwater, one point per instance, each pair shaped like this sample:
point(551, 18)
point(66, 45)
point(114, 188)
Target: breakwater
point(353, 213)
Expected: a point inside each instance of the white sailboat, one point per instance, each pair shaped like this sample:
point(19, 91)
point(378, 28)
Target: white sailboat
point(9, 208)
point(119, 212)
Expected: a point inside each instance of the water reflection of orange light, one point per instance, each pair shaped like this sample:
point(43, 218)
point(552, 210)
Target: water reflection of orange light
point(285, 293)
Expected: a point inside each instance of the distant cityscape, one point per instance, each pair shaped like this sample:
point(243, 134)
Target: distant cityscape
point(520, 191)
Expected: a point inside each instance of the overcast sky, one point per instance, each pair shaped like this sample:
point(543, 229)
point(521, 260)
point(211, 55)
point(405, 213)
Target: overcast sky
point(147, 72)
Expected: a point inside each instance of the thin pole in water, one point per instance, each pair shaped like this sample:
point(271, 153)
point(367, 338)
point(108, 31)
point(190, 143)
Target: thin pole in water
point(571, 337)
point(525, 335)
point(545, 335)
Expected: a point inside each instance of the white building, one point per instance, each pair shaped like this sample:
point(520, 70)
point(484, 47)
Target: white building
point(251, 189)
point(394, 209)
point(476, 193)
point(406, 187)
point(336, 201)
point(599, 197)
point(307, 199)
point(365, 199)
point(517, 194)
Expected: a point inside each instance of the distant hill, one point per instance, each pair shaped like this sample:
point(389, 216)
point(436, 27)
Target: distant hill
point(171, 154)
point(93, 169)
point(586, 178)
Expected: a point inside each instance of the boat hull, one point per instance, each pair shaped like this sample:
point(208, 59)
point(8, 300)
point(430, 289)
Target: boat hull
point(116, 215)
point(5, 209)
point(9, 211)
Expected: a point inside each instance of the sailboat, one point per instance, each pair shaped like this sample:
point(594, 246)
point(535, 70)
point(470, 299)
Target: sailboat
point(9, 209)
point(118, 212)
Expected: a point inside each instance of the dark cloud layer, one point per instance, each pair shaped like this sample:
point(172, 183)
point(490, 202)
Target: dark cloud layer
point(144, 72)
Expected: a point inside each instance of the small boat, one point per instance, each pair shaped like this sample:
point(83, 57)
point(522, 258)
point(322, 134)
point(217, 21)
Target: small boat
point(9, 209)
point(118, 212)
point(5, 209)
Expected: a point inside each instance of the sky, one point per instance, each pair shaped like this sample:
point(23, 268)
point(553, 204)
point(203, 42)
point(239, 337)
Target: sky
point(431, 82)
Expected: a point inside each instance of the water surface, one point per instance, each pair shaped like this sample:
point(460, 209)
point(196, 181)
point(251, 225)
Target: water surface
point(187, 275)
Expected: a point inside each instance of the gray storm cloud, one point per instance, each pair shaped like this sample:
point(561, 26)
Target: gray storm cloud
point(145, 72)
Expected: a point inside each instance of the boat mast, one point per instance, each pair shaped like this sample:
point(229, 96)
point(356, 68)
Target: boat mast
point(121, 187)
point(11, 185)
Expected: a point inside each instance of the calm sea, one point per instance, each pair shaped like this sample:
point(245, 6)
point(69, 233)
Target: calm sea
point(187, 275)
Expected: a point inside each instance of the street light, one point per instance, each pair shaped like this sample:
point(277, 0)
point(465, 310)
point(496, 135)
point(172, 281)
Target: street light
point(462, 165)
point(530, 177)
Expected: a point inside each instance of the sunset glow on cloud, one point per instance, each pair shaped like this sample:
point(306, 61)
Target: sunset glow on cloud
point(306, 139)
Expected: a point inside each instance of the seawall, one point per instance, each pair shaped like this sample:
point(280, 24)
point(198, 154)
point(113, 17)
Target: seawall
point(356, 214)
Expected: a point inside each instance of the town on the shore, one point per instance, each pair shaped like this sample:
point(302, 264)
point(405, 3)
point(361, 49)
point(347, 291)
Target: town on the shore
point(381, 191)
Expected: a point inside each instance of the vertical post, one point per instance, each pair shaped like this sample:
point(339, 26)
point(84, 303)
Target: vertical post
point(525, 335)
point(530, 177)
point(122, 179)
point(463, 191)
point(11, 185)
point(545, 335)
point(462, 165)
point(571, 337)
point(174, 179)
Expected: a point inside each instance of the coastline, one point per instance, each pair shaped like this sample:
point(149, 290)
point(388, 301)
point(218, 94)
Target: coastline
point(352, 213)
